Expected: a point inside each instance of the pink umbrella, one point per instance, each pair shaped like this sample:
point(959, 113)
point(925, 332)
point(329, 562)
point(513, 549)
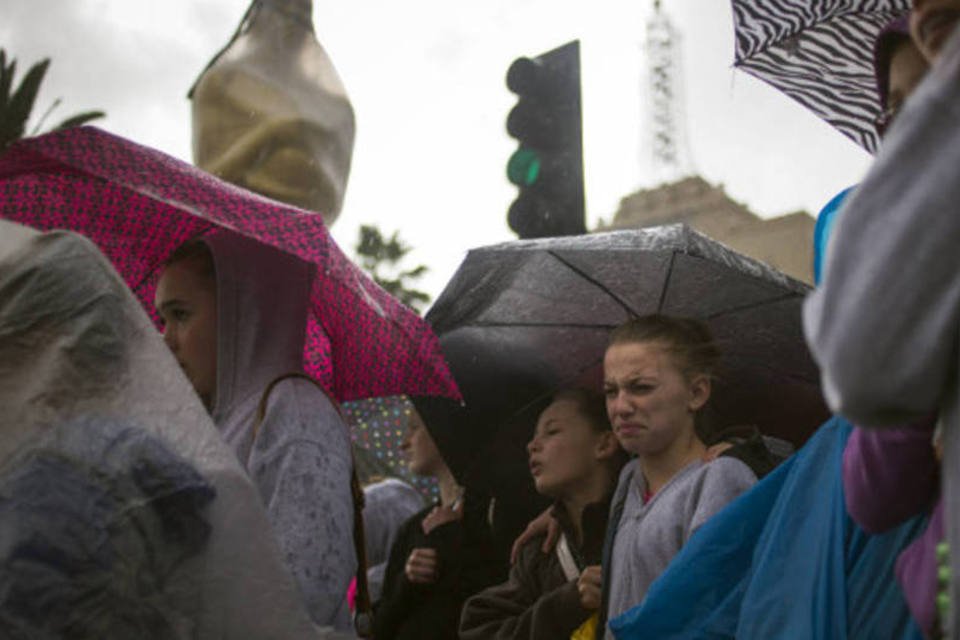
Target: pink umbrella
point(138, 205)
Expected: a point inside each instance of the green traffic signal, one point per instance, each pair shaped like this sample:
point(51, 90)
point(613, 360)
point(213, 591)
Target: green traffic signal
point(523, 167)
point(547, 165)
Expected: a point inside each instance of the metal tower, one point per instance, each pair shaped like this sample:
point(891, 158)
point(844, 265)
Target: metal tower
point(665, 144)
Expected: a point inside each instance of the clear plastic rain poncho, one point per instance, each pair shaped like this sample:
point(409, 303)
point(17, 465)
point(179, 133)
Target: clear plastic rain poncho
point(122, 514)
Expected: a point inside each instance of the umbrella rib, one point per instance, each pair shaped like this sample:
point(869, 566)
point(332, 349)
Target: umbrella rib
point(666, 283)
point(542, 325)
point(752, 305)
point(626, 306)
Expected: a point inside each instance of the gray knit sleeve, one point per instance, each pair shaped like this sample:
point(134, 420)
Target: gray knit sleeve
point(301, 463)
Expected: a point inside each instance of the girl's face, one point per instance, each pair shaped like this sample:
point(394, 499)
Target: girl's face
point(423, 456)
point(187, 303)
point(566, 452)
point(651, 404)
point(931, 23)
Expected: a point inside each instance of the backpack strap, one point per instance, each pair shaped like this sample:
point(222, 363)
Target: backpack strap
point(363, 619)
point(567, 562)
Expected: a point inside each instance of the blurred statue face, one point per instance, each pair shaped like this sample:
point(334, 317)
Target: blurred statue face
point(907, 68)
point(187, 302)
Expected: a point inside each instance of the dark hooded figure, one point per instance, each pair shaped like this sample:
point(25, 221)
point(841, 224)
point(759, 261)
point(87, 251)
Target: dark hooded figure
point(441, 555)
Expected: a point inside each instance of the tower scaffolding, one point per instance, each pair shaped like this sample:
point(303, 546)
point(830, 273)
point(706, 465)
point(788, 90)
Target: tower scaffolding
point(664, 143)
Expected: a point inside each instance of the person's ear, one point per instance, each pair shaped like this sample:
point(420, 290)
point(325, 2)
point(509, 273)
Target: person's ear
point(607, 446)
point(700, 387)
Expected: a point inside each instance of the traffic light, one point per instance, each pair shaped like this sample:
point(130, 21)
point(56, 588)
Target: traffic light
point(547, 166)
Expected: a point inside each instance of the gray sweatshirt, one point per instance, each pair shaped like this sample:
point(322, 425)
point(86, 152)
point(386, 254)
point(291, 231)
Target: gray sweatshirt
point(885, 324)
point(649, 535)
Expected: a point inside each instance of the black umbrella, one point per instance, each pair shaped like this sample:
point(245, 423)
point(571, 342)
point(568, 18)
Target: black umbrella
point(820, 54)
point(521, 318)
point(483, 440)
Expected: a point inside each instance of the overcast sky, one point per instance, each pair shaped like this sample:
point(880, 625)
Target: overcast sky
point(426, 78)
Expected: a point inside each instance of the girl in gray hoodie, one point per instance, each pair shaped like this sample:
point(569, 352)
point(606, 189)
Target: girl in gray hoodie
point(235, 316)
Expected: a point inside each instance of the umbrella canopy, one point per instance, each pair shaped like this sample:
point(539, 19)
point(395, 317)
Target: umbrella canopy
point(820, 54)
point(539, 312)
point(138, 205)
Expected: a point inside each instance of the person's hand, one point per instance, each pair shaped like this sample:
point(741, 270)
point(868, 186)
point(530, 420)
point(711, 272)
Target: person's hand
point(589, 585)
point(937, 443)
point(441, 515)
point(716, 450)
point(543, 523)
point(421, 567)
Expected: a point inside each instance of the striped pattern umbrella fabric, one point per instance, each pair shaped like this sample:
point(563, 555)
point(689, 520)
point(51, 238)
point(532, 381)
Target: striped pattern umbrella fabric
point(820, 54)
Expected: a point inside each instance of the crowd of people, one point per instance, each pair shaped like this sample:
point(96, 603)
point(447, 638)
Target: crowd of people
point(636, 473)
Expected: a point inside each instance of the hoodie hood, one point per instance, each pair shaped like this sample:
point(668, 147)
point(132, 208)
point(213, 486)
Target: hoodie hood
point(263, 295)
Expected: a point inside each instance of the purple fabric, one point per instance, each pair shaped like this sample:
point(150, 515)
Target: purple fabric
point(138, 204)
point(916, 571)
point(890, 475)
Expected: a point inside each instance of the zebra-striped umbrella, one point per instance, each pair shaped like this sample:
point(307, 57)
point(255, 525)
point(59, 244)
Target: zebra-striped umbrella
point(818, 53)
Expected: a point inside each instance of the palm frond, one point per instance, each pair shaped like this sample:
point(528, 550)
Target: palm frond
point(43, 118)
point(80, 119)
point(21, 102)
point(6, 79)
point(17, 105)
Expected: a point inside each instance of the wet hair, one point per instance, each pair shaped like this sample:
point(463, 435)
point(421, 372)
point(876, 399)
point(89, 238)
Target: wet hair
point(688, 340)
point(590, 404)
point(198, 252)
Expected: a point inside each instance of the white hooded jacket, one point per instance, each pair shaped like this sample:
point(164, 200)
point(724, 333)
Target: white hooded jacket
point(300, 458)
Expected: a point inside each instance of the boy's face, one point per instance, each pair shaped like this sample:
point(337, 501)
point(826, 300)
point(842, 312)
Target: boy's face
point(567, 453)
point(931, 23)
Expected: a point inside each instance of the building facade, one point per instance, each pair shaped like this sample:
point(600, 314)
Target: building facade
point(785, 242)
